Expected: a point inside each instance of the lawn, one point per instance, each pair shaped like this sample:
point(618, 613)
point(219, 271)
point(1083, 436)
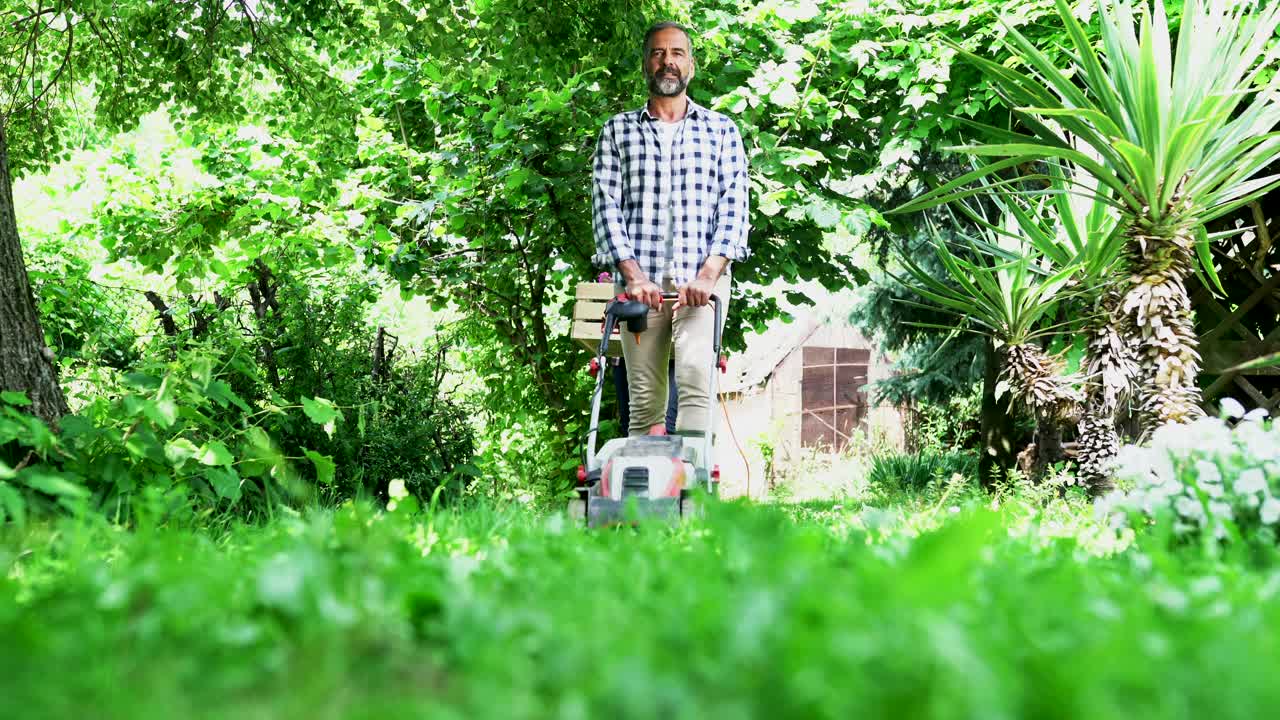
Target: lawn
point(946, 605)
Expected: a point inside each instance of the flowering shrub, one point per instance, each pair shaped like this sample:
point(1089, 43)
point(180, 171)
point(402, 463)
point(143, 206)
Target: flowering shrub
point(1204, 476)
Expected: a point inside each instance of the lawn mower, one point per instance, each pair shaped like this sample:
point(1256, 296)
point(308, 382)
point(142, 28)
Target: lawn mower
point(663, 476)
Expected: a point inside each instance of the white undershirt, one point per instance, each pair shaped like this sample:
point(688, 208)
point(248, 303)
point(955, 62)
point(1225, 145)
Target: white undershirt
point(666, 138)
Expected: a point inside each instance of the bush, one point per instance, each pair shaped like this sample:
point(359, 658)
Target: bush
point(1202, 482)
point(914, 471)
point(399, 425)
point(82, 320)
point(412, 432)
point(938, 427)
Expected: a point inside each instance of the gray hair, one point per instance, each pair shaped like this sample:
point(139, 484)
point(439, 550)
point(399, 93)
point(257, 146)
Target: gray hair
point(658, 27)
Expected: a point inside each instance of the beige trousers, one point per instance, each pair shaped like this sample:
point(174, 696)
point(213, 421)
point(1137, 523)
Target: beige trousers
point(689, 334)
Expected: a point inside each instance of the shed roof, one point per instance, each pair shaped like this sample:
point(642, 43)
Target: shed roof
point(766, 351)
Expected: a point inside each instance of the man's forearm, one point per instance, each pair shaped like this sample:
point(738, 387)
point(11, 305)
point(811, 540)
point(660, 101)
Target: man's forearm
point(713, 267)
point(631, 272)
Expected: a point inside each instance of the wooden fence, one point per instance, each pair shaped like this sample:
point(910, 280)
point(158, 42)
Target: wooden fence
point(1245, 324)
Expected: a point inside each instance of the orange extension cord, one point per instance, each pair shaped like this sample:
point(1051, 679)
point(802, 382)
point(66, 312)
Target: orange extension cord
point(745, 462)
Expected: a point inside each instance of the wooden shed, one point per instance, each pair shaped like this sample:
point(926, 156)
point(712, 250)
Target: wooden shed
point(799, 389)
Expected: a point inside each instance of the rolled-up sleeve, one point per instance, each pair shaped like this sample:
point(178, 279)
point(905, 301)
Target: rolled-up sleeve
point(732, 220)
point(612, 244)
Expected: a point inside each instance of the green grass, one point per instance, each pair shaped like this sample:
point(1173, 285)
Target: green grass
point(812, 611)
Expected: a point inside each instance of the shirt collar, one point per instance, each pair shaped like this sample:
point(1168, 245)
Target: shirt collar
point(695, 110)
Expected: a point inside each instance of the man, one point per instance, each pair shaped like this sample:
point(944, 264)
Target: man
point(669, 208)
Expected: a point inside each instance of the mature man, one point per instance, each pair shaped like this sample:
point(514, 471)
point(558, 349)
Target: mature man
point(669, 208)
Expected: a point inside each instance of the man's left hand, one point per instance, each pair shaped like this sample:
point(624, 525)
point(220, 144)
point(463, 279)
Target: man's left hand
point(695, 294)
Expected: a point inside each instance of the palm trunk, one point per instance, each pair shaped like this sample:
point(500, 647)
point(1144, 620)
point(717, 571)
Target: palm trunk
point(1112, 367)
point(26, 363)
point(1035, 379)
point(1158, 306)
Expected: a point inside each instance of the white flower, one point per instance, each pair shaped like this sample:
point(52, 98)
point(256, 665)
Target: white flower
point(1143, 466)
point(1257, 414)
point(1162, 491)
point(1270, 511)
point(1250, 481)
point(1189, 508)
point(1207, 472)
point(1206, 435)
point(1221, 510)
point(1213, 490)
point(1231, 408)
point(1258, 442)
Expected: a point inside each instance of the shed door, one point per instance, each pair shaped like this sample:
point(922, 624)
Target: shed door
point(832, 401)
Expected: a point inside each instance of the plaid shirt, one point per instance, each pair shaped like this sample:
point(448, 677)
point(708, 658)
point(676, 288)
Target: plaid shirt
point(706, 178)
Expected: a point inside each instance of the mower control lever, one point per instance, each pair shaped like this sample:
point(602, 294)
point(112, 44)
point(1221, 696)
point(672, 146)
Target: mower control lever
point(634, 312)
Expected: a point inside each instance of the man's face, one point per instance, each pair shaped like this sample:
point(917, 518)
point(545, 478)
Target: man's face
point(668, 63)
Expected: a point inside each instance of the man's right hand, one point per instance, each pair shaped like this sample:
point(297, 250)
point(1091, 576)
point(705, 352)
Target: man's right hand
point(646, 291)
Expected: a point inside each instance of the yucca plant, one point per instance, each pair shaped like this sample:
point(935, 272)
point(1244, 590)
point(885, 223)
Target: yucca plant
point(1008, 291)
point(1176, 134)
point(1071, 222)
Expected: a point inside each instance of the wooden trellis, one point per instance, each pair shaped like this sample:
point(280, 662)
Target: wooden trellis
point(1244, 325)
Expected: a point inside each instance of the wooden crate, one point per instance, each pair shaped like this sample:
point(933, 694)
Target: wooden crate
point(588, 317)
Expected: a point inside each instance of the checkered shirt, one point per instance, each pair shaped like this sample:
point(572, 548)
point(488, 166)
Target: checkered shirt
point(632, 186)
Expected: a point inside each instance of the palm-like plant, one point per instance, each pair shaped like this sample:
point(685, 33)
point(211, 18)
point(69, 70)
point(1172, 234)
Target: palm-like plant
point(1072, 223)
point(1006, 290)
point(1176, 136)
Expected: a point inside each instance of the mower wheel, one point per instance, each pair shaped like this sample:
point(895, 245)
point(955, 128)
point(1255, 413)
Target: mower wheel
point(578, 512)
point(690, 507)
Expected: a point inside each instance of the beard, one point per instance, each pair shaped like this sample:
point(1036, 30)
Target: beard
point(667, 85)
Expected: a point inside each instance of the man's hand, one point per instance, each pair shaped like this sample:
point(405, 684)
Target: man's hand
point(646, 291)
point(639, 287)
point(696, 293)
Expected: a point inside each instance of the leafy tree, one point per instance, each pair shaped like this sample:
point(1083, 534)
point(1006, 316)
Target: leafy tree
point(137, 55)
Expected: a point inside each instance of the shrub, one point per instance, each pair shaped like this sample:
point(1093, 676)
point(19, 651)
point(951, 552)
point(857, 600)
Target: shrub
point(938, 427)
point(914, 471)
point(1202, 481)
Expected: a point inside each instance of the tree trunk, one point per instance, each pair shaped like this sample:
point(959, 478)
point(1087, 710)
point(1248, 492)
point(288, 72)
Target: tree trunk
point(1162, 326)
point(1112, 363)
point(997, 424)
point(26, 363)
point(1048, 440)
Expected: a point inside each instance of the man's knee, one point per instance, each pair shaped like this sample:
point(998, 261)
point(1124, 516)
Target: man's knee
point(692, 374)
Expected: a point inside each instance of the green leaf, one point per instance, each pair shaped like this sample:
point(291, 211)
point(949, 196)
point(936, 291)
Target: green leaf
point(142, 381)
point(161, 412)
point(1205, 255)
point(74, 426)
point(1272, 360)
point(52, 482)
point(179, 451)
point(225, 481)
point(324, 466)
point(824, 214)
point(215, 453)
point(13, 504)
point(222, 394)
point(321, 412)
point(15, 397)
